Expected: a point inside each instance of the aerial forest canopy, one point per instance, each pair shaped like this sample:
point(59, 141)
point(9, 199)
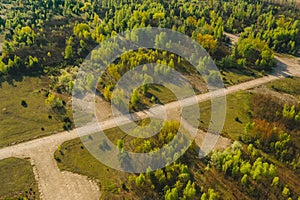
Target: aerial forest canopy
point(62, 33)
point(43, 48)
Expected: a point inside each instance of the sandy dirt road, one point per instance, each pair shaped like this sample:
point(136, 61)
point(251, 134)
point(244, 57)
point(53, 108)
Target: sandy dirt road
point(54, 184)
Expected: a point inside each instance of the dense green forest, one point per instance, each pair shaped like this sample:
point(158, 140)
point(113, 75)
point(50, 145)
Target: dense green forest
point(52, 38)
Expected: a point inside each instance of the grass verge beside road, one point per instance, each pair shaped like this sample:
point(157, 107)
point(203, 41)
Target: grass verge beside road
point(287, 85)
point(17, 179)
point(23, 111)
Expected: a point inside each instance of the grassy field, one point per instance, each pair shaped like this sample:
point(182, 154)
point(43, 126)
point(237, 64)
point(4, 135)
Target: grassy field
point(23, 113)
point(2, 38)
point(232, 78)
point(239, 75)
point(287, 85)
point(17, 179)
point(163, 94)
point(1, 41)
point(238, 114)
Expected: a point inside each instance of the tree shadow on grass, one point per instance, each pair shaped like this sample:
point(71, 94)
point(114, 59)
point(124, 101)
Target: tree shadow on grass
point(11, 79)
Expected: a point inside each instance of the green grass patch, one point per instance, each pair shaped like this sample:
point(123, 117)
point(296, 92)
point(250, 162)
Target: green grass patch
point(2, 38)
point(286, 85)
point(17, 179)
point(163, 94)
point(238, 114)
point(234, 77)
point(23, 112)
